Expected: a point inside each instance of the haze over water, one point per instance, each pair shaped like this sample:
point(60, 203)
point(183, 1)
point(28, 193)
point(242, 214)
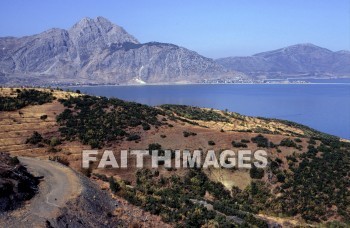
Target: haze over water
point(325, 107)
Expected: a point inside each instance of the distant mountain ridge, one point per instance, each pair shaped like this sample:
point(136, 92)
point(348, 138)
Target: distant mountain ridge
point(98, 51)
point(295, 60)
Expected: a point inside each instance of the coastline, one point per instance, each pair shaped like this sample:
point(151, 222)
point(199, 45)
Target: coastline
point(185, 84)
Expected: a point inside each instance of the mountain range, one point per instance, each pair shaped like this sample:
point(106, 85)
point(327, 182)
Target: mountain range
point(296, 60)
point(96, 51)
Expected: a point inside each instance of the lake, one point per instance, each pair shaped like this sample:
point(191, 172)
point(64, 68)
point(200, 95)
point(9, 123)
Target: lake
point(325, 107)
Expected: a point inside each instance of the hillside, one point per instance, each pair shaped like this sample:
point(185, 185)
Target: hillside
point(298, 187)
point(96, 51)
point(301, 60)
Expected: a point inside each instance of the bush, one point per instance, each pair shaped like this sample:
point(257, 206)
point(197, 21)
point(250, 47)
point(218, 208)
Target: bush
point(261, 141)
point(55, 141)
point(281, 177)
point(312, 141)
point(188, 133)
point(288, 143)
point(154, 146)
point(43, 117)
point(146, 126)
point(211, 143)
point(256, 173)
point(298, 140)
point(133, 137)
point(102, 177)
point(239, 144)
point(35, 138)
point(113, 185)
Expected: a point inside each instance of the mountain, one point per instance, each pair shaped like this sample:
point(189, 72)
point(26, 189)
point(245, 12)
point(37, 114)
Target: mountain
point(98, 51)
point(296, 60)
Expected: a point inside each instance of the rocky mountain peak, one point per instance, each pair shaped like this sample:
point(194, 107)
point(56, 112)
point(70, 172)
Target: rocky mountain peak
point(100, 29)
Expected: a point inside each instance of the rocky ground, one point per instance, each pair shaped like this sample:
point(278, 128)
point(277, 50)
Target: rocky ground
point(16, 183)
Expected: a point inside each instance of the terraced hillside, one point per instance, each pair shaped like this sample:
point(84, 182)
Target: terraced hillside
point(297, 187)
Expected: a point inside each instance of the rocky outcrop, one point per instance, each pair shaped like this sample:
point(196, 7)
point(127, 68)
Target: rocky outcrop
point(97, 51)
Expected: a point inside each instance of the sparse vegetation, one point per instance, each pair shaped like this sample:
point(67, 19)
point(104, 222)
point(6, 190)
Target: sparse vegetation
point(24, 98)
point(195, 113)
point(288, 143)
point(172, 199)
point(312, 184)
point(188, 133)
point(95, 121)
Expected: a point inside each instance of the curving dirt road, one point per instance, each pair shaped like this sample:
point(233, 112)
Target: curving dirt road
point(58, 186)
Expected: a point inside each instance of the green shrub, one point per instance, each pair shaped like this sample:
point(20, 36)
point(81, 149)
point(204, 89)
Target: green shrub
point(113, 185)
point(35, 138)
point(288, 143)
point(55, 141)
point(239, 144)
point(256, 173)
point(133, 137)
point(298, 140)
point(261, 141)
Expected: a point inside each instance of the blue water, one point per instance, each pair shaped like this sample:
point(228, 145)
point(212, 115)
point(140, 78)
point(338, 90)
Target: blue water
point(325, 107)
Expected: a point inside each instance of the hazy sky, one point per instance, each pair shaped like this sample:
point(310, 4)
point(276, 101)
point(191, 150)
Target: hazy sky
point(216, 28)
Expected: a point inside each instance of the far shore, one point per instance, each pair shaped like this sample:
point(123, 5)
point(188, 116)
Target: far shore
point(185, 84)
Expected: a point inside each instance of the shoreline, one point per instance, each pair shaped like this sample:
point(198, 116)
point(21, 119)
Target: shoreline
point(191, 84)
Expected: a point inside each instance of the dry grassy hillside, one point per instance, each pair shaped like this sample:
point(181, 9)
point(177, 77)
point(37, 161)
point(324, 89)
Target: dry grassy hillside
point(181, 127)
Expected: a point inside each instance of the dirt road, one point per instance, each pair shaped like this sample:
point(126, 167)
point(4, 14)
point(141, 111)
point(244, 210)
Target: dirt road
point(58, 186)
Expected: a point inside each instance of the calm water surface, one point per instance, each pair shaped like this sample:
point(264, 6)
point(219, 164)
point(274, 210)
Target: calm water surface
point(325, 107)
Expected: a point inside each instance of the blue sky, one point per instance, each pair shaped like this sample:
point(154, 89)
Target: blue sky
point(212, 28)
